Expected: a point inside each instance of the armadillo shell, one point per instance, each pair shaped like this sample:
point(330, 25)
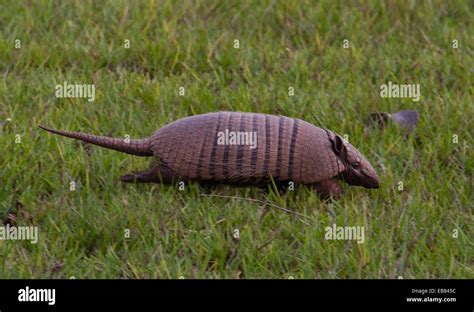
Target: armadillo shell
point(287, 149)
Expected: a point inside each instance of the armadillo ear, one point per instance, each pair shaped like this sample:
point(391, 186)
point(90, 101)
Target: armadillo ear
point(339, 146)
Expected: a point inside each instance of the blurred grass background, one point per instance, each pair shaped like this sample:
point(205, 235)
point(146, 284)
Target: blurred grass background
point(297, 44)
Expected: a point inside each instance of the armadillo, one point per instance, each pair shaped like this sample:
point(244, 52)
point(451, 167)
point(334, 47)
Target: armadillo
point(284, 149)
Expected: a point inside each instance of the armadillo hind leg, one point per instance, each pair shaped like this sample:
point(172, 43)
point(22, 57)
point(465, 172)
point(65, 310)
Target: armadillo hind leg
point(328, 189)
point(156, 173)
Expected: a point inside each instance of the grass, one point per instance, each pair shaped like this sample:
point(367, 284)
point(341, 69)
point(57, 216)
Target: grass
point(297, 44)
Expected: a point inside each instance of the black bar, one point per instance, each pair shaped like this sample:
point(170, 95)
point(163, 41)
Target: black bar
point(74, 293)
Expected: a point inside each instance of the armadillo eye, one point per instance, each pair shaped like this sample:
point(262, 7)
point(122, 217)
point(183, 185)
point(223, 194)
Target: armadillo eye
point(356, 165)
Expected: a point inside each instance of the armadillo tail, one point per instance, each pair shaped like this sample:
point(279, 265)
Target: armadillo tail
point(133, 147)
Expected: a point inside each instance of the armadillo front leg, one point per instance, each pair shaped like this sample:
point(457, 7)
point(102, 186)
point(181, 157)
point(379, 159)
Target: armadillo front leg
point(328, 188)
point(156, 173)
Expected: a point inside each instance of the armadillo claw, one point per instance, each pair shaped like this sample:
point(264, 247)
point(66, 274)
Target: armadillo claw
point(328, 189)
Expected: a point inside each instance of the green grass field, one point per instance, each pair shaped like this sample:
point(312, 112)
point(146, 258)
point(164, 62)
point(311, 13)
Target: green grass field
point(424, 231)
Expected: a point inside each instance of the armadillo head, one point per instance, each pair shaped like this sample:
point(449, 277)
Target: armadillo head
point(357, 170)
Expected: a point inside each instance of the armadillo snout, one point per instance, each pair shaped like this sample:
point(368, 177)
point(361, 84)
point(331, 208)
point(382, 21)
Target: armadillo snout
point(372, 182)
